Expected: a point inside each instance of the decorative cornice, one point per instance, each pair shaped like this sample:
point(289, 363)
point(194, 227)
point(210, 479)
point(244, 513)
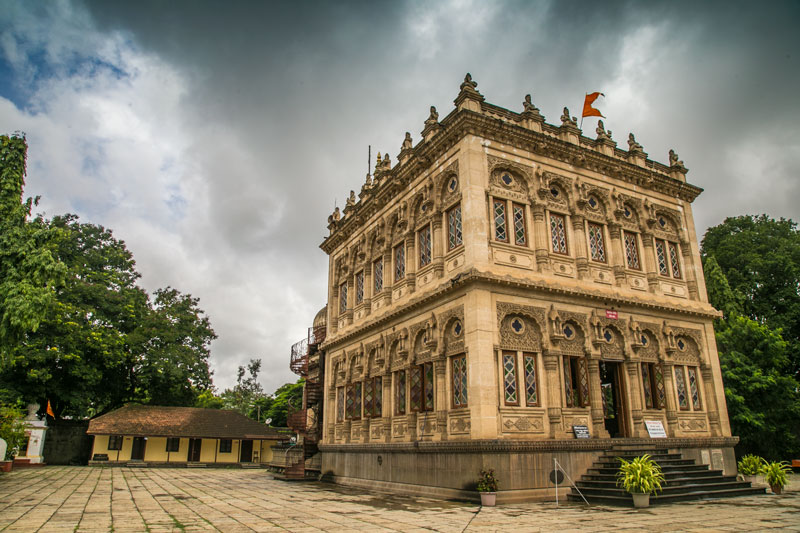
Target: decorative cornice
point(506, 130)
point(535, 446)
point(540, 286)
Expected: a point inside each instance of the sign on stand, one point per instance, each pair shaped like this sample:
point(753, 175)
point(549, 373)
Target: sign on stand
point(581, 432)
point(656, 429)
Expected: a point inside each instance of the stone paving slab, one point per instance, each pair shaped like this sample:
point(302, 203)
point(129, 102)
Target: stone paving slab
point(90, 499)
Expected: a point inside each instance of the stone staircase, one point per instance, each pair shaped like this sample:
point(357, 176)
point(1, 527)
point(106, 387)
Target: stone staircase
point(685, 480)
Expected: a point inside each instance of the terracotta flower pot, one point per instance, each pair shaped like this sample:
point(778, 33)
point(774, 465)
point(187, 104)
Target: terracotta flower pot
point(641, 500)
point(488, 499)
point(777, 489)
point(5, 466)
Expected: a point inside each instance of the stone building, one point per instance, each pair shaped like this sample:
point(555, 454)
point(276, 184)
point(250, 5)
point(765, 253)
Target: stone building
point(506, 281)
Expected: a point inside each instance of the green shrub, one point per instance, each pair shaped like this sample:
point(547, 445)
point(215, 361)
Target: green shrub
point(487, 482)
point(751, 465)
point(12, 430)
point(640, 475)
point(776, 473)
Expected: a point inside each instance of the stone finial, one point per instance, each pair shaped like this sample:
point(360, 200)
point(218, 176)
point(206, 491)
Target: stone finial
point(407, 143)
point(633, 146)
point(602, 133)
point(433, 118)
point(566, 120)
point(387, 162)
point(674, 161)
point(468, 84)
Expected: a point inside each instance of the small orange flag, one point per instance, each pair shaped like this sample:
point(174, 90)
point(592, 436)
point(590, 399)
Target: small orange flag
point(50, 410)
point(588, 110)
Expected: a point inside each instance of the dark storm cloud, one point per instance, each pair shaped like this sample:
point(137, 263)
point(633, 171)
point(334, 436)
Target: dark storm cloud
point(278, 101)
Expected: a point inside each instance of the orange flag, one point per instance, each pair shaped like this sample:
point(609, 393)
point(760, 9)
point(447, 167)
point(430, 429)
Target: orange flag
point(588, 110)
point(50, 410)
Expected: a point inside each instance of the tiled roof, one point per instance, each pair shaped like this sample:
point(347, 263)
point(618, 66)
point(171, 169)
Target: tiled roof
point(152, 421)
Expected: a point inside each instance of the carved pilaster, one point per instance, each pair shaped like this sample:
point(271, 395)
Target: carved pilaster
point(596, 399)
point(551, 365)
point(672, 405)
point(634, 398)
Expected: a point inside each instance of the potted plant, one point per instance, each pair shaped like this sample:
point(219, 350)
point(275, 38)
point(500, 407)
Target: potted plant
point(751, 467)
point(776, 475)
point(487, 486)
point(640, 476)
point(12, 431)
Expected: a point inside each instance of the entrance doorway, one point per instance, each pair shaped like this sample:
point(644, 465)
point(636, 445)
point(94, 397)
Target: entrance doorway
point(246, 453)
point(194, 450)
point(613, 399)
point(137, 452)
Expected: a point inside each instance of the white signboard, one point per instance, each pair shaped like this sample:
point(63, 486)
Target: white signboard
point(656, 429)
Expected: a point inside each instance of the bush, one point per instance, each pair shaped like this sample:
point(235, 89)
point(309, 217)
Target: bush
point(751, 465)
point(641, 475)
point(776, 474)
point(12, 430)
point(487, 482)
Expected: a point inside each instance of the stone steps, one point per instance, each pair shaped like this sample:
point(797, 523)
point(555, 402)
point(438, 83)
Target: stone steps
point(685, 480)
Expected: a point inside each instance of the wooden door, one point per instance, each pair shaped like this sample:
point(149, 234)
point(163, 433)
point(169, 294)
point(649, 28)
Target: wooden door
point(194, 450)
point(137, 452)
point(246, 453)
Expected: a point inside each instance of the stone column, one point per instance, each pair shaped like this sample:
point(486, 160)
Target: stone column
point(581, 250)
point(710, 400)
point(387, 405)
point(438, 245)
point(552, 360)
point(412, 261)
point(541, 235)
point(442, 396)
point(617, 254)
point(649, 261)
point(672, 402)
point(688, 271)
point(596, 398)
point(635, 399)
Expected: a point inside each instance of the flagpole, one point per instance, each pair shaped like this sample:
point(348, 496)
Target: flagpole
point(584, 100)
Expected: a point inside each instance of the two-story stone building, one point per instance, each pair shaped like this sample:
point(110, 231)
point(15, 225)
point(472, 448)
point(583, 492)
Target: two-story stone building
point(505, 281)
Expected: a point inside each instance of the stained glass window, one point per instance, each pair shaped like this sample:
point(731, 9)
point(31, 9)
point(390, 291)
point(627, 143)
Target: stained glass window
point(583, 381)
point(459, 372)
point(510, 390)
point(377, 272)
point(454, 234)
point(377, 398)
point(531, 392)
point(632, 250)
point(673, 257)
point(400, 262)
point(508, 180)
point(597, 245)
point(661, 392)
point(400, 392)
point(576, 381)
point(661, 257)
point(500, 230)
point(680, 384)
point(351, 401)
point(416, 388)
point(646, 385)
point(357, 402)
point(519, 224)
point(452, 185)
point(558, 233)
point(359, 287)
point(568, 385)
point(592, 202)
point(693, 387)
point(428, 385)
point(368, 396)
point(342, 297)
point(340, 404)
point(424, 246)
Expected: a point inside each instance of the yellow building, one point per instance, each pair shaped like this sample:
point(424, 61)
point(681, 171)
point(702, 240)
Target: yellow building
point(508, 287)
point(180, 436)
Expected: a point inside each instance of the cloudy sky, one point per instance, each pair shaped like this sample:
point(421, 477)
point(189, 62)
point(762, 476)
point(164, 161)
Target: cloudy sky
point(215, 137)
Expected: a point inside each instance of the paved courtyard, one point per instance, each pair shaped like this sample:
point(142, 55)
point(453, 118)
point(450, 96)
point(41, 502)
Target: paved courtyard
point(171, 499)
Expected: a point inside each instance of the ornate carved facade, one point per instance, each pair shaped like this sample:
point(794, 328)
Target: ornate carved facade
point(510, 279)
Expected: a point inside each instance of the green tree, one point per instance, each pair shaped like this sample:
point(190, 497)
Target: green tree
point(289, 393)
point(247, 391)
point(172, 346)
point(760, 258)
point(763, 398)
point(12, 429)
point(207, 399)
point(29, 272)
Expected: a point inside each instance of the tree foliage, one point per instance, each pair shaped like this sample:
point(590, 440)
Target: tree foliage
point(247, 391)
point(75, 328)
point(12, 429)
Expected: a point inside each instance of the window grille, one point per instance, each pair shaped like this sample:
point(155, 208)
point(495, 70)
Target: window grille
point(500, 231)
point(661, 257)
point(454, 230)
point(510, 388)
point(680, 384)
point(340, 404)
point(518, 212)
point(632, 251)
point(342, 298)
point(558, 233)
point(531, 390)
point(693, 388)
point(597, 245)
point(459, 372)
point(400, 392)
point(360, 287)
point(400, 262)
point(673, 256)
point(424, 246)
point(377, 272)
